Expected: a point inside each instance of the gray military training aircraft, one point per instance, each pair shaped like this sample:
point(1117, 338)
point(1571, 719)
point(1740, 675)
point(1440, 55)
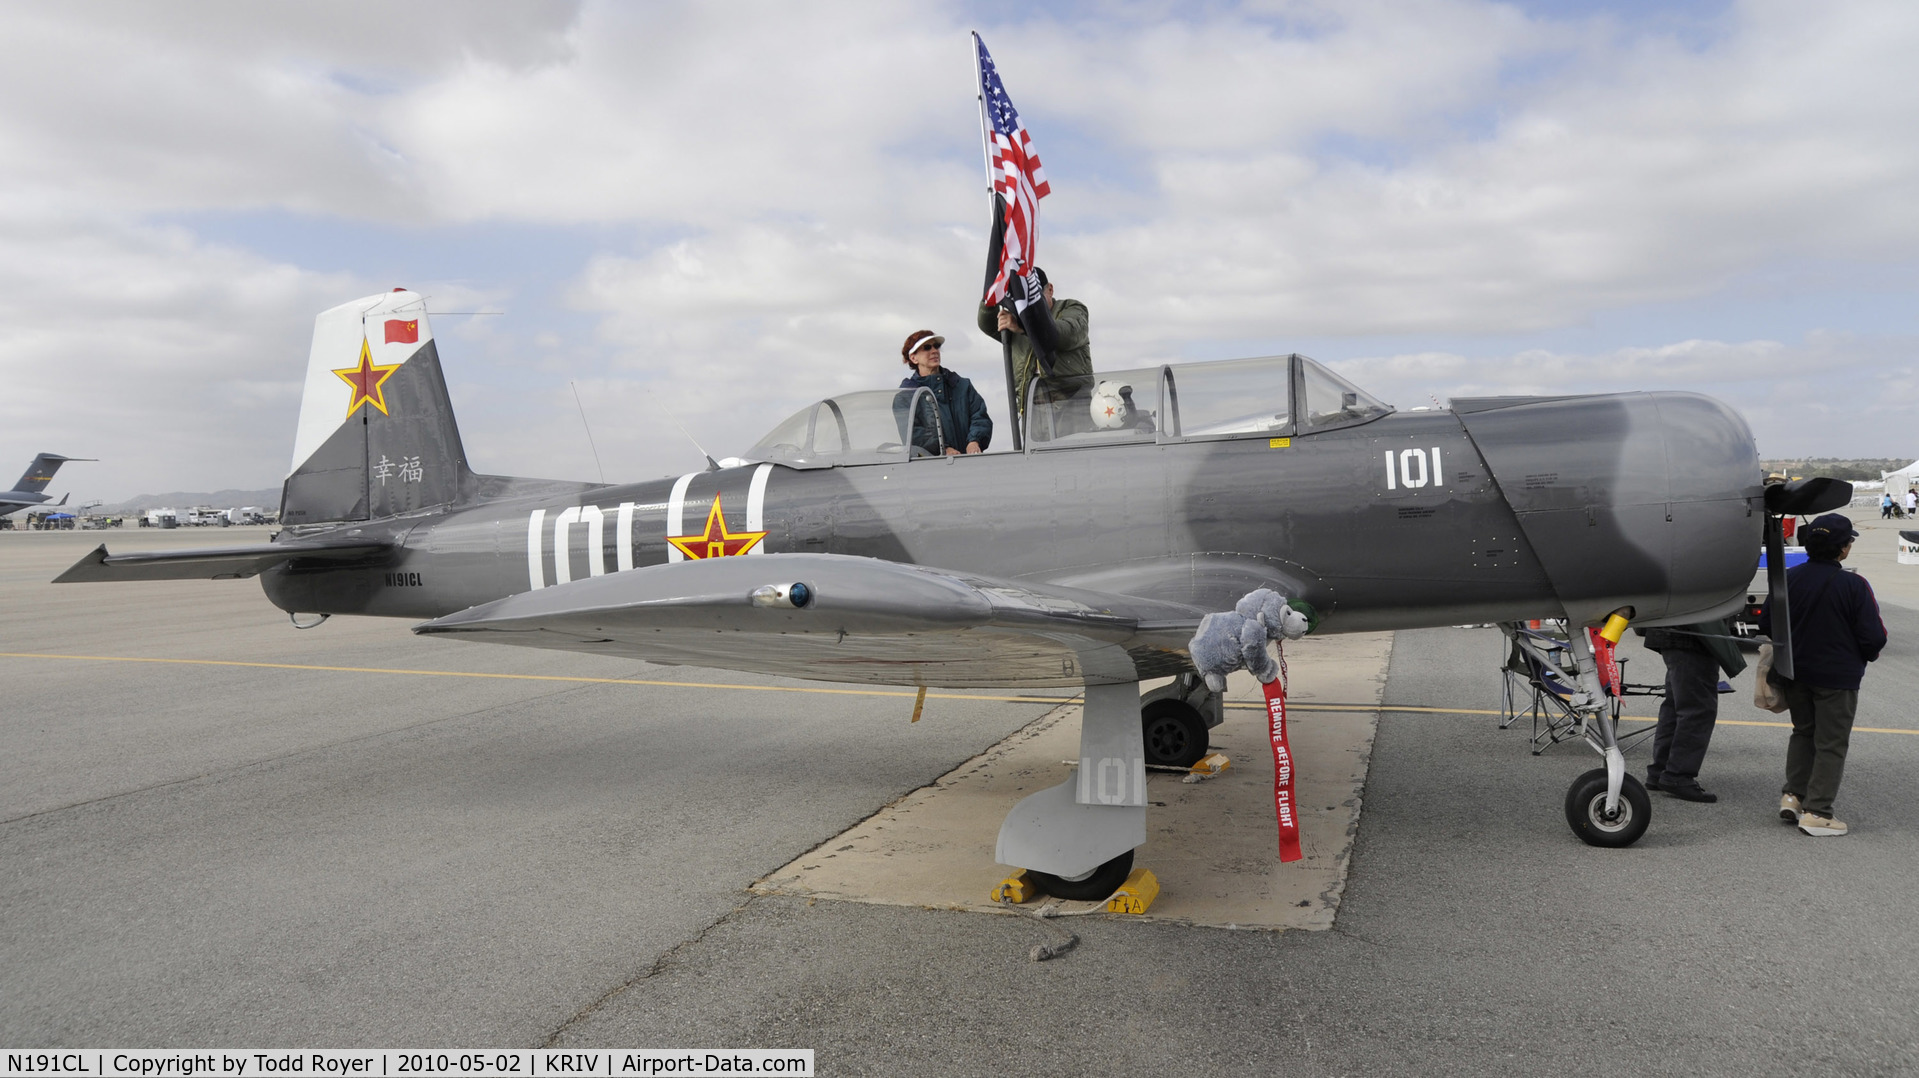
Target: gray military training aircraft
point(31, 489)
point(846, 547)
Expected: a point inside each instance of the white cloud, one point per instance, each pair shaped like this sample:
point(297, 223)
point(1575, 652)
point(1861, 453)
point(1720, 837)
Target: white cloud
point(804, 186)
point(1828, 394)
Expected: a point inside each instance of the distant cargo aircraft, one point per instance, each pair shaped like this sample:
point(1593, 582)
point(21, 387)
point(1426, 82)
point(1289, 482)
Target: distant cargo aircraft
point(849, 547)
point(30, 490)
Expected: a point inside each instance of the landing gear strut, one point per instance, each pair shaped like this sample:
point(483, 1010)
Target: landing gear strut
point(1605, 806)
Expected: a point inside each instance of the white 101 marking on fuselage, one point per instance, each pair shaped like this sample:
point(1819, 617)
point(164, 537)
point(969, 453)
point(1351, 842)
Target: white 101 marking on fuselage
point(594, 518)
point(535, 560)
point(1411, 469)
point(676, 514)
point(595, 521)
point(623, 538)
point(756, 505)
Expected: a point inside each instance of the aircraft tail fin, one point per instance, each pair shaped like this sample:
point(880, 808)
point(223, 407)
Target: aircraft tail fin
point(41, 471)
point(376, 435)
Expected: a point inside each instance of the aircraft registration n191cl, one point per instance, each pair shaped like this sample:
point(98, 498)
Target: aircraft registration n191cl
point(846, 546)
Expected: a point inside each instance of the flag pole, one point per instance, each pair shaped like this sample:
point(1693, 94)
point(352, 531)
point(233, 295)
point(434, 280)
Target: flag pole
point(1005, 336)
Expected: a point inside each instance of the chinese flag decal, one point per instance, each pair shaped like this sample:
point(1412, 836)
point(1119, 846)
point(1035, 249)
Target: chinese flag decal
point(1285, 806)
point(716, 541)
point(398, 332)
point(366, 380)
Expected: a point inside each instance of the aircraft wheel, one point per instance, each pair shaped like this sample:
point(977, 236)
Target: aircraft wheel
point(1175, 733)
point(1093, 886)
point(1586, 810)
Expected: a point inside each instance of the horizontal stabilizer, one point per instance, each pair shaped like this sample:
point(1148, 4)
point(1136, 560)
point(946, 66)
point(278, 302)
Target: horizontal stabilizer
point(212, 563)
point(862, 620)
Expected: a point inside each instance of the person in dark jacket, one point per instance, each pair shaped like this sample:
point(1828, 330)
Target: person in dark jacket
point(1836, 631)
point(957, 421)
point(1694, 655)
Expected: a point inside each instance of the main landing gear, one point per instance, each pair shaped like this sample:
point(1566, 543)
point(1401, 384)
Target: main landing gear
point(1176, 721)
point(1078, 837)
point(1090, 887)
point(1076, 840)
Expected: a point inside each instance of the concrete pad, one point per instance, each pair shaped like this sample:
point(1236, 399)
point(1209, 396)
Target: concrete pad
point(1213, 844)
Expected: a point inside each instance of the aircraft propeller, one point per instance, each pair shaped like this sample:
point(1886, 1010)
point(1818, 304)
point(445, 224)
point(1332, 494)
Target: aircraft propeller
point(1798, 497)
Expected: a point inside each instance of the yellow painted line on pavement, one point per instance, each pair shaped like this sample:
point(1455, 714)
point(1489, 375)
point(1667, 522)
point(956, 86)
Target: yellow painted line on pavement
point(1300, 706)
point(909, 693)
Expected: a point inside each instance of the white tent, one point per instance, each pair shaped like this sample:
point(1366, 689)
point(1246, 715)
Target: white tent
point(1897, 483)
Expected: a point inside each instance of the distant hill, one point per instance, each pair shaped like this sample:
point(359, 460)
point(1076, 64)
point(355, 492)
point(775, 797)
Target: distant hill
point(220, 499)
point(1850, 469)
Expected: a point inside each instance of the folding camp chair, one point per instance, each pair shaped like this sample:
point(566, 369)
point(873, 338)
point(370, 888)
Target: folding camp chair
point(1540, 678)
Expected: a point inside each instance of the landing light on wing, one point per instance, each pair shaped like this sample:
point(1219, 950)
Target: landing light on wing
point(789, 595)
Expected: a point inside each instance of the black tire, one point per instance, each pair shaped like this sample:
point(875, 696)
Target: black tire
point(1102, 882)
point(1586, 811)
point(1175, 733)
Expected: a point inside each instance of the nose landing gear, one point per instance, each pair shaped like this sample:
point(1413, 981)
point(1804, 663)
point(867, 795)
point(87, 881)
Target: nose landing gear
point(1586, 810)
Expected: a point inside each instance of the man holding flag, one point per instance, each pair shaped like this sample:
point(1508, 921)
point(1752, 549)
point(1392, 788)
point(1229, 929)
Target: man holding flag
point(1041, 336)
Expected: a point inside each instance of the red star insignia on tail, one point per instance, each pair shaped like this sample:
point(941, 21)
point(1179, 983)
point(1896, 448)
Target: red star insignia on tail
point(716, 541)
point(366, 380)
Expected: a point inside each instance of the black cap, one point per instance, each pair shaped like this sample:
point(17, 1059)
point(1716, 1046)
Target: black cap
point(1833, 527)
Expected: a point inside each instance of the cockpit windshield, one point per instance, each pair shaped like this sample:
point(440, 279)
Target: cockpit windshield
point(1332, 401)
point(876, 426)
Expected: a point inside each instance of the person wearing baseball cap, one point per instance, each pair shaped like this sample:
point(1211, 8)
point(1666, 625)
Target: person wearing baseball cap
point(958, 421)
point(1836, 631)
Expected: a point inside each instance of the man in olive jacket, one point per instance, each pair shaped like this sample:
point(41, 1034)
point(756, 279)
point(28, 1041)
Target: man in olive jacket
point(1072, 364)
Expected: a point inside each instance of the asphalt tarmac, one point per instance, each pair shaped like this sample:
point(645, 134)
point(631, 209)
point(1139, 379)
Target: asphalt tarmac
point(314, 852)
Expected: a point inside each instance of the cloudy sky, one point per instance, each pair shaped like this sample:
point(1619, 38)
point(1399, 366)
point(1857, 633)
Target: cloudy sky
point(713, 213)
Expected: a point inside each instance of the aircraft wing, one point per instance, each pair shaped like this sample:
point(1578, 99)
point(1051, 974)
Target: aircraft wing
point(864, 620)
point(211, 563)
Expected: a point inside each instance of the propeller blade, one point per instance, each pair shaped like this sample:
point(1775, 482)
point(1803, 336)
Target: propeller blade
point(1776, 601)
point(1807, 497)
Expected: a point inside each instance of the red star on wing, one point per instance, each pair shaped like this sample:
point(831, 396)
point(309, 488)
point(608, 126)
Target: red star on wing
point(716, 541)
point(366, 380)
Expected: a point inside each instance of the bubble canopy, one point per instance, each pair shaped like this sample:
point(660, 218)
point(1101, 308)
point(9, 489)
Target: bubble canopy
point(878, 426)
point(1235, 398)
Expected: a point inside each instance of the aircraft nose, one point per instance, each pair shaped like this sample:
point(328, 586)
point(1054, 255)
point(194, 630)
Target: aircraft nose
point(1716, 495)
point(1647, 500)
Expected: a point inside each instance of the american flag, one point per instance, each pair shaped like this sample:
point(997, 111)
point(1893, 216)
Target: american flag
point(1018, 182)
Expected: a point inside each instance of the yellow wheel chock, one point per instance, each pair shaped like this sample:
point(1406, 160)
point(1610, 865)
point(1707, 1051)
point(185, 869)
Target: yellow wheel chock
point(1211, 764)
point(1136, 895)
point(1016, 889)
point(1208, 766)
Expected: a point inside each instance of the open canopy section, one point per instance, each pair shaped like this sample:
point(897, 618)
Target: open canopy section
point(877, 426)
point(1266, 396)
